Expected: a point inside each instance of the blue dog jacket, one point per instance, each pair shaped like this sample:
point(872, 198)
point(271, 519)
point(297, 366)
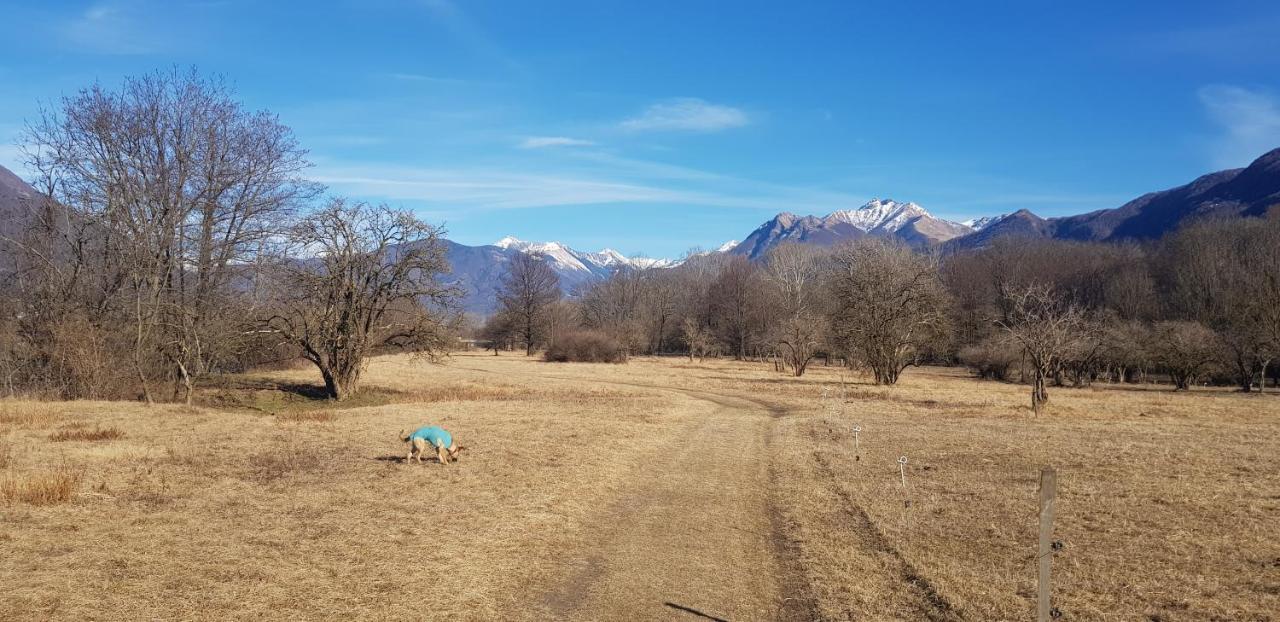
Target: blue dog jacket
point(435, 435)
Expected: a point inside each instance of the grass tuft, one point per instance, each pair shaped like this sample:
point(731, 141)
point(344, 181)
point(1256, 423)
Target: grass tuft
point(84, 434)
point(27, 413)
point(40, 488)
point(307, 416)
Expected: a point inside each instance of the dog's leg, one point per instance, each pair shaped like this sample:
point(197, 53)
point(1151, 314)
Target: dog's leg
point(442, 455)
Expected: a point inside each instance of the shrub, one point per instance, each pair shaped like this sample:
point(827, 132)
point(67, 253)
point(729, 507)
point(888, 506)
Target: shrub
point(585, 347)
point(990, 358)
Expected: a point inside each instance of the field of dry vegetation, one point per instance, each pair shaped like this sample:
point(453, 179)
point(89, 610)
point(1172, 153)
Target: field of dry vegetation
point(658, 489)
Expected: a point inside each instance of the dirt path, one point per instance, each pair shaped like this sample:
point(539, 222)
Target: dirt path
point(696, 533)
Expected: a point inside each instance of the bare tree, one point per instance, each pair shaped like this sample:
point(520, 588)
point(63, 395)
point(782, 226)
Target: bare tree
point(613, 306)
point(659, 298)
point(355, 278)
point(1184, 350)
point(1047, 328)
point(737, 311)
point(498, 332)
point(163, 191)
point(697, 338)
point(794, 273)
point(890, 306)
point(525, 293)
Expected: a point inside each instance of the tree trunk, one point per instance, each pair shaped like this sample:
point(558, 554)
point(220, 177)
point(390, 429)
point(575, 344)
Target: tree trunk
point(1244, 375)
point(1039, 395)
point(184, 378)
point(1262, 378)
point(331, 387)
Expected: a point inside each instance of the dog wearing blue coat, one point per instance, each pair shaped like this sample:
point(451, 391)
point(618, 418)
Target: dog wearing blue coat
point(432, 436)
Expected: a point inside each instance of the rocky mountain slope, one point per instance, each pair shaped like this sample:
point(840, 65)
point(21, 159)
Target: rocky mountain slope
point(905, 221)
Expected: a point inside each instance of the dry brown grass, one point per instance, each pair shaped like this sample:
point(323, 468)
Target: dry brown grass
point(1167, 502)
point(87, 434)
point(39, 488)
point(27, 413)
point(307, 416)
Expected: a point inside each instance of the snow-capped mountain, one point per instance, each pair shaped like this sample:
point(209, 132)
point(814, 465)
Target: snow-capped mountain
point(906, 221)
point(478, 270)
point(978, 224)
point(565, 258)
point(727, 246)
point(877, 215)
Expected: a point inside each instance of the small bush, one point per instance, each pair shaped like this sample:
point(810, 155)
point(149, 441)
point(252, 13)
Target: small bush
point(991, 358)
point(48, 488)
point(79, 434)
point(585, 347)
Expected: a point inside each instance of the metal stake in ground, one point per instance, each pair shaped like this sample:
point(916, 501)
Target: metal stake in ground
point(1048, 492)
point(902, 470)
point(856, 456)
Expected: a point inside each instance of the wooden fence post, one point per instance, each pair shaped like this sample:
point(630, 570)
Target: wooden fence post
point(1048, 491)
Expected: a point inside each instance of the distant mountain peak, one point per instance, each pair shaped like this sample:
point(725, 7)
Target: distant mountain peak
point(885, 215)
point(978, 224)
point(727, 246)
point(565, 258)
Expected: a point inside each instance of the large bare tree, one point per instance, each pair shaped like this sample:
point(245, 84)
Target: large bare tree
point(737, 311)
point(161, 192)
point(889, 305)
point(526, 292)
point(793, 271)
point(354, 278)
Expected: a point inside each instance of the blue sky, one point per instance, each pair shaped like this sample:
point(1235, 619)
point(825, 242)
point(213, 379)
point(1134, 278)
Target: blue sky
point(651, 127)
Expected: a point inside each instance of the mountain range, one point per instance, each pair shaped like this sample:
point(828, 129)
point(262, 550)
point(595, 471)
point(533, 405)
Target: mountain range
point(477, 270)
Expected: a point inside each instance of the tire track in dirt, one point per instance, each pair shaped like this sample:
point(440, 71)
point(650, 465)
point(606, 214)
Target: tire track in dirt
point(930, 604)
point(699, 536)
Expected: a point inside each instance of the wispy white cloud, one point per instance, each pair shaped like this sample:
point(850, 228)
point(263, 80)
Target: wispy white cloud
point(464, 189)
point(108, 29)
point(687, 114)
point(541, 142)
point(1249, 119)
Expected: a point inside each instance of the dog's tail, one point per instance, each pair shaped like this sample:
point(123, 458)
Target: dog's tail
point(404, 435)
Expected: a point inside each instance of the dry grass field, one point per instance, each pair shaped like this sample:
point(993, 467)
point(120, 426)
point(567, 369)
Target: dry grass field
point(659, 489)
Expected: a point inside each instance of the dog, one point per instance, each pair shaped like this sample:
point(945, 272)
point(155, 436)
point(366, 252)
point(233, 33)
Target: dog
point(431, 436)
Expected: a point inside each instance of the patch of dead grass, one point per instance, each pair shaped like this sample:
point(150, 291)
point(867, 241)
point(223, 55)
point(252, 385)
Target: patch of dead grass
point(40, 488)
point(283, 461)
point(26, 413)
point(307, 416)
point(78, 433)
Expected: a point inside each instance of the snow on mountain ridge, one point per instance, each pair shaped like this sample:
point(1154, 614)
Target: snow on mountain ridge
point(602, 262)
point(978, 224)
point(885, 215)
